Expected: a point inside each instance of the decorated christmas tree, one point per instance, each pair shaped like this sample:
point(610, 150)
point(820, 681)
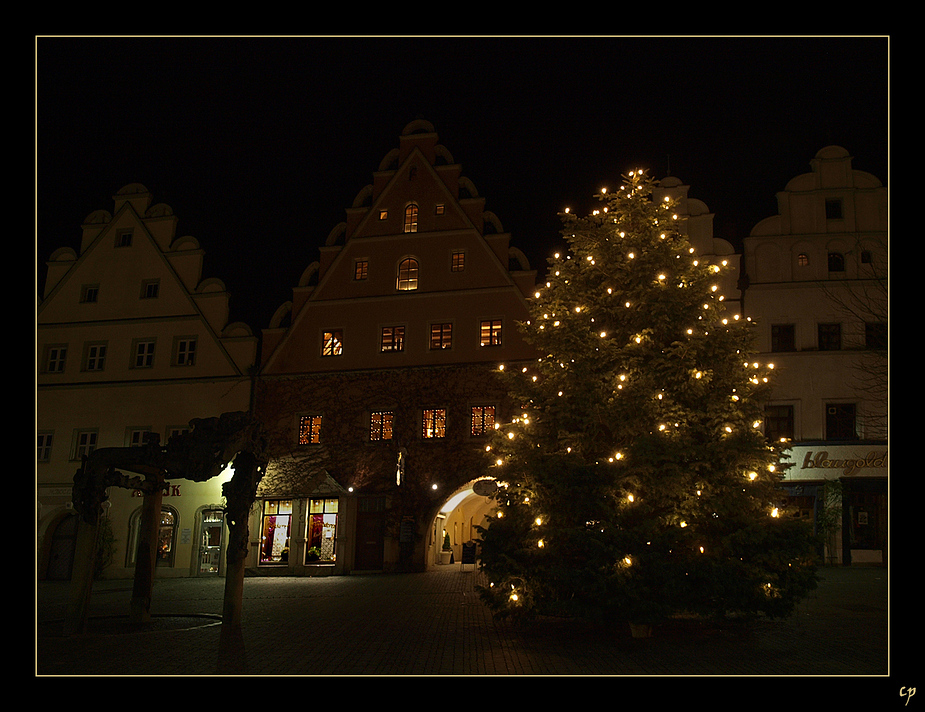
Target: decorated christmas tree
point(636, 482)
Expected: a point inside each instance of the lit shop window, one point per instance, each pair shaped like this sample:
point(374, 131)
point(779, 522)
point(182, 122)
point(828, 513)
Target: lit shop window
point(274, 533)
point(483, 419)
point(166, 537)
point(380, 425)
point(322, 531)
point(332, 343)
point(309, 430)
point(407, 275)
point(434, 425)
point(411, 218)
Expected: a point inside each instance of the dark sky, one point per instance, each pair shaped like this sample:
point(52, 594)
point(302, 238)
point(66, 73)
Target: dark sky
point(259, 145)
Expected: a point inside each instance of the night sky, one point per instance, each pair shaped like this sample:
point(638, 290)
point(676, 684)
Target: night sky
point(260, 144)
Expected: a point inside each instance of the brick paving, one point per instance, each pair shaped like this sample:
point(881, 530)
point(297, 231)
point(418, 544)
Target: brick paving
point(435, 624)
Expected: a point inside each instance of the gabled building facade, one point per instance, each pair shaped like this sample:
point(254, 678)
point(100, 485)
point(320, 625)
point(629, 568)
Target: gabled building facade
point(131, 344)
point(817, 286)
point(378, 380)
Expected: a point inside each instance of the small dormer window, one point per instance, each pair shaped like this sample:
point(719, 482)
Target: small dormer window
point(124, 238)
point(383, 214)
point(411, 218)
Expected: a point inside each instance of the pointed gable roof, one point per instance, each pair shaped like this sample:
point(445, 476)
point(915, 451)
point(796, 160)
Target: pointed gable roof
point(449, 215)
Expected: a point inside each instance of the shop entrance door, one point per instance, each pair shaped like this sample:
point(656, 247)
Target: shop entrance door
point(211, 531)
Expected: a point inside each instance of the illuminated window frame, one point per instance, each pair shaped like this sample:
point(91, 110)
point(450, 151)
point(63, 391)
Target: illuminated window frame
point(482, 420)
point(332, 343)
point(380, 425)
point(433, 423)
point(392, 339)
point(458, 261)
point(309, 429)
point(490, 332)
point(411, 218)
point(441, 336)
point(407, 279)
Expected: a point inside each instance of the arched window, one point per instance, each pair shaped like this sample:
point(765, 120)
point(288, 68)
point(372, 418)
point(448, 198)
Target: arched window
point(166, 537)
point(803, 259)
point(836, 262)
point(407, 274)
point(411, 218)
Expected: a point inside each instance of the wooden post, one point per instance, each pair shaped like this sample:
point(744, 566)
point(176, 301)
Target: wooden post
point(146, 557)
point(78, 609)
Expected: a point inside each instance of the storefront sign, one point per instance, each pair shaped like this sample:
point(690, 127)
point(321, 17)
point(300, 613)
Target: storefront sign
point(838, 462)
point(169, 491)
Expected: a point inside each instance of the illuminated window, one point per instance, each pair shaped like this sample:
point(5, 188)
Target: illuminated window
point(166, 537)
point(439, 209)
point(361, 270)
point(393, 339)
point(490, 334)
point(332, 343)
point(411, 218)
point(803, 259)
point(383, 214)
point(274, 536)
point(434, 424)
point(483, 419)
point(380, 425)
point(441, 336)
point(458, 262)
point(322, 531)
point(407, 274)
point(309, 430)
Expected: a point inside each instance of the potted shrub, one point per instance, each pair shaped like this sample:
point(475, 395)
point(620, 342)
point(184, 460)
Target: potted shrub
point(447, 553)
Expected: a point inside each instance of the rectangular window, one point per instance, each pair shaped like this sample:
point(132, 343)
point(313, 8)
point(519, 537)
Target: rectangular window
point(43, 449)
point(89, 293)
point(393, 339)
point(439, 209)
point(829, 337)
point(85, 443)
point(380, 425)
point(55, 359)
point(833, 208)
point(434, 424)
point(441, 336)
point(136, 437)
point(186, 352)
point(332, 343)
point(274, 536)
point(150, 288)
point(483, 419)
point(490, 332)
point(383, 214)
point(309, 430)
point(778, 422)
point(96, 357)
point(322, 531)
point(458, 261)
point(840, 421)
point(783, 337)
point(361, 270)
point(875, 336)
point(124, 238)
point(144, 354)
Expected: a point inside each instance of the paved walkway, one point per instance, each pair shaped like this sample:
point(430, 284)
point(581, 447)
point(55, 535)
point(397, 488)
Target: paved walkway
point(434, 624)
